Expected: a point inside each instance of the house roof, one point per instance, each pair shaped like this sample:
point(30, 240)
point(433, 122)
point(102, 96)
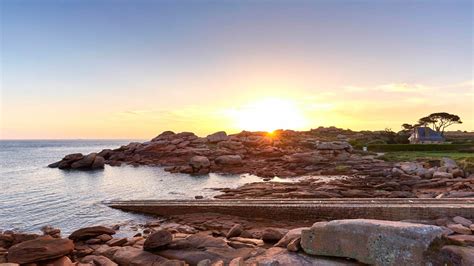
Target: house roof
point(426, 133)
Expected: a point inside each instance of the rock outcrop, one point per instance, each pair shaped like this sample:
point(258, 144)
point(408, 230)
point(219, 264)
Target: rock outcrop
point(78, 161)
point(373, 242)
point(283, 153)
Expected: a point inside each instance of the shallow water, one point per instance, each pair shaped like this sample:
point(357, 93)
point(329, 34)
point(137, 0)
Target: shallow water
point(33, 195)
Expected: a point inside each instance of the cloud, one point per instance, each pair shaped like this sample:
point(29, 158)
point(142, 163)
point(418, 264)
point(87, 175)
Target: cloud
point(389, 87)
point(403, 87)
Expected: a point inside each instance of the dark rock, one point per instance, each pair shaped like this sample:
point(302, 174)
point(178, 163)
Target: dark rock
point(85, 162)
point(54, 165)
point(236, 230)
point(90, 232)
point(273, 235)
point(456, 255)
point(41, 248)
point(116, 242)
point(462, 220)
point(158, 240)
point(98, 163)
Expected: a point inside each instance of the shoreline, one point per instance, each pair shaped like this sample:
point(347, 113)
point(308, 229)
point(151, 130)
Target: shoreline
point(217, 239)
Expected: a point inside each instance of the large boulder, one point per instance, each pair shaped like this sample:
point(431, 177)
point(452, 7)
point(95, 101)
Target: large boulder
point(98, 163)
point(157, 240)
point(273, 235)
point(41, 248)
point(90, 232)
point(217, 137)
point(66, 162)
point(85, 162)
point(198, 162)
point(229, 160)
point(373, 242)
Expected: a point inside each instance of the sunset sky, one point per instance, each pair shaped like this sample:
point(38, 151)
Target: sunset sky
point(131, 69)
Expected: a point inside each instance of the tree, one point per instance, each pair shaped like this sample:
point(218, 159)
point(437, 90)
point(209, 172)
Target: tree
point(441, 121)
point(407, 127)
point(425, 121)
point(438, 121)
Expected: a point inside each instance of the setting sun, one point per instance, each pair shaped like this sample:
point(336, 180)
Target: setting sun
point(269, 115)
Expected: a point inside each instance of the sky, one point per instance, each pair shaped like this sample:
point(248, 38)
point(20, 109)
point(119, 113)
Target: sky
point(132, 69)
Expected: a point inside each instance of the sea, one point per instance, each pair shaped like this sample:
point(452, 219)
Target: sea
point(33, 195)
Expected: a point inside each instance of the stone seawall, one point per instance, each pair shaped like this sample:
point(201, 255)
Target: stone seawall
point(387, 209)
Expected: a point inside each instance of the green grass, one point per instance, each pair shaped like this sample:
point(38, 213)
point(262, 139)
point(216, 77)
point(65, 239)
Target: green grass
point(419, 147)
point(398, 156)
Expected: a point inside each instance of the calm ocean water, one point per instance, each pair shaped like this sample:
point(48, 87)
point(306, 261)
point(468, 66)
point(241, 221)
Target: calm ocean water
point(33, 195)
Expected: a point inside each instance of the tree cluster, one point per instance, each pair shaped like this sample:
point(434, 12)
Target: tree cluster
point(437, 121)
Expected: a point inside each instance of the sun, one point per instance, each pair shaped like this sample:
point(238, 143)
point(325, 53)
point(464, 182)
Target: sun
point(270, 114)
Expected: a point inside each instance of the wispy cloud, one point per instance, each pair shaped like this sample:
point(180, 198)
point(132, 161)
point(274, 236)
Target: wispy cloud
point(403, 87)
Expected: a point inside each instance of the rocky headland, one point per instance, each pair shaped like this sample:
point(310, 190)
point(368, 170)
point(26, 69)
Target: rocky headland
point(286, 154)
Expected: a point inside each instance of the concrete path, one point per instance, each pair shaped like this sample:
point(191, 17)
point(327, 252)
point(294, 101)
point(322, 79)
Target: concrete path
point(290, 209)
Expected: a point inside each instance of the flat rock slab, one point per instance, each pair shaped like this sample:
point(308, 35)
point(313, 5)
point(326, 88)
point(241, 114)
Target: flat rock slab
point(373, 242)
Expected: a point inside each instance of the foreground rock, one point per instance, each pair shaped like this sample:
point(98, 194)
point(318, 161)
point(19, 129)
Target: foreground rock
point(158, 240)
point(374, 242)
point(215, 239)
point(41, 248)
point(90, 232)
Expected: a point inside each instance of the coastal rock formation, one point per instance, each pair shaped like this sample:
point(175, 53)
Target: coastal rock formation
point(78, 161)
point(283, 153)
point(372, 241)
point(287, 153)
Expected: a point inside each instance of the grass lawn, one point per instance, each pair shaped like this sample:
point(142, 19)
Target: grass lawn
point(413, 155)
